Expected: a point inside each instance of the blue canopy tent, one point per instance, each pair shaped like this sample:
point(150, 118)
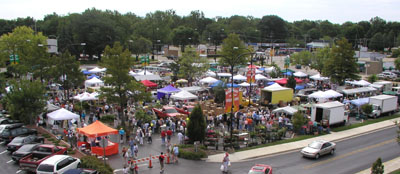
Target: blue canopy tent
point(299, 87)
point(234, 85)
point(219, 82)
point(85, 72)
point(359, 102)
point(93, 75)
point(288, 73)
point(168, 90)
point(270, 83)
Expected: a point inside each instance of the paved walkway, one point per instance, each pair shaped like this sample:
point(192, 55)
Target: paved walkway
point(281, 148)
point(389, 166)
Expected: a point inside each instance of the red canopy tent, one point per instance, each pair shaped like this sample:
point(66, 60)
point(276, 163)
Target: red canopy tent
point(252, 67)
point(282, 81)
point(148, 83)
point(98, 129)
point(298, 80)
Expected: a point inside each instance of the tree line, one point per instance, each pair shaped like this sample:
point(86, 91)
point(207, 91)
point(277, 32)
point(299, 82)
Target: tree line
point(99, 28)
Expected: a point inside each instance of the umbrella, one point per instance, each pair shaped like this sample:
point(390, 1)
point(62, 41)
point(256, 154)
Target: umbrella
point(182, 81)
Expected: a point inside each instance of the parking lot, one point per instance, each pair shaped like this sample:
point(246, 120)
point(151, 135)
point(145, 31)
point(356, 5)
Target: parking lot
point(7, 165)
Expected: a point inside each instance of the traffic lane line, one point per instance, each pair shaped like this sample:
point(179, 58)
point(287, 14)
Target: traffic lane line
point(3, 152)
point(10, 161)
point(18, 171)
point(348, 154)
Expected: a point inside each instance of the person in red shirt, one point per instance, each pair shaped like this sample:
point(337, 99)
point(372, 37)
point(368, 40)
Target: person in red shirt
point(169, 134)
point(161, 159)
point(163, 134)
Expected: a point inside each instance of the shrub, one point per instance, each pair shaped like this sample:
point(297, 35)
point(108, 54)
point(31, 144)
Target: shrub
point(51, 139)
point(46, 135)
point(367, 109)
point(92, 162)
point(191, 155)
point(107, 118)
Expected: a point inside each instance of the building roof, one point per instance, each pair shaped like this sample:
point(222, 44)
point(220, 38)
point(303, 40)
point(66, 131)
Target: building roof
point(382, 97)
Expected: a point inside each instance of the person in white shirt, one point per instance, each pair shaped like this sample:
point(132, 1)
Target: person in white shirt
point(180, 138)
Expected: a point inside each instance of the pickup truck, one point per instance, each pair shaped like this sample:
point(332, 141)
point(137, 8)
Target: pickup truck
point(185, 109)
point(166, 111)
point(32, 161)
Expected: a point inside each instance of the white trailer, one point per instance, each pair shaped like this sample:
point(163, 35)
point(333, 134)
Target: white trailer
point(333, 112)
point(383, 104)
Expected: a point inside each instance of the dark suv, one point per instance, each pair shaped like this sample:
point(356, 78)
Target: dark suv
point(10, 131)
point(19, 141)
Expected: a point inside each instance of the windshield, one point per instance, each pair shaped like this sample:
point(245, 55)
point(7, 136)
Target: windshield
point(315, 145)
point(26, 148)
point(45, 168)
point(255, 172)
point(17, 140)
point(5, 133)
point(2, 128)
point(170, 111)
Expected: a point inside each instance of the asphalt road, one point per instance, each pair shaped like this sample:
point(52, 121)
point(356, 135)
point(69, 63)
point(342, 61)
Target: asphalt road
point(351, 156)
point(7, 166)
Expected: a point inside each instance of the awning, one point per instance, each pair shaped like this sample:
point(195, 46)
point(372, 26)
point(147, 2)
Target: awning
point(97, 129)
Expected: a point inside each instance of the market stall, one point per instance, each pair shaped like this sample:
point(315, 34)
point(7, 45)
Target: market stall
point(275, 93)
point(98, 143)
point(148, 83)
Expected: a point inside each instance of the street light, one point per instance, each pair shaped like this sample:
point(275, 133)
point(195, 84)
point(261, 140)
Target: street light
point(251, 69)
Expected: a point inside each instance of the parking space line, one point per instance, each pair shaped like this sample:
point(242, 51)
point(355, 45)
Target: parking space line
point(3, 152)
point(18, 171)
point(1, 143)
point(10, 161)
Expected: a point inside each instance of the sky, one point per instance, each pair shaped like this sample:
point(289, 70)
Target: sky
point(336, 11)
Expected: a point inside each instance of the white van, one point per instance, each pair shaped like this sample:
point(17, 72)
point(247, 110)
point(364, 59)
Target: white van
point(58, 164)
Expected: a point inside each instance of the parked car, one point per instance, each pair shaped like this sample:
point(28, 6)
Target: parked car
point(387, 75)
point(43, 152)
point(23, 151)
point(261, 169)
point(58, 164)
point(8, 121)
point(171, 57)
point(185, 109)
point(81, 171)
point(19, 141)
point(318, 148)
point(166, 111)
point(9, 131)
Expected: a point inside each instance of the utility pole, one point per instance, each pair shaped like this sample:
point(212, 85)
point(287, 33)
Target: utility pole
point(272, 51)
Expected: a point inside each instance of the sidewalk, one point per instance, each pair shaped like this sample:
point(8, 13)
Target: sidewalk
point(281, 148)
point(389, 166)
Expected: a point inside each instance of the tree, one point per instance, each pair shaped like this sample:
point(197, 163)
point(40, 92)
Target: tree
point(196, 128)
point(276, 72)
point(232, 51)
point(302, 58)
point(143, 116)
point(377, 42)
point(397, 63)
point(118, 63)
point(291, 83)
point(372, 78)
point(184, 36)
point(26, 100)
point(140, 45)
point(298, 120)
point(67, 72)
point(319, 58)
point(341, 64)
point(273, 27)
point(396, 53)
point(191, 65)
point(377, 167)
point(219, 93)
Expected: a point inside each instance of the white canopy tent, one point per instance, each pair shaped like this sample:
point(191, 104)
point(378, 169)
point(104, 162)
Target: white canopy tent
point(62, 114)
point(50, 107)
point(210, 73)
point(318, 77)
point(333, 93)
point(193, 89)
point(131, 73)
point(258, 71)
point(224, 74)
point(320, 95)
point(287, 110)
point(361, 83)
point(269, 69)
point(141, 73)
point(94, 82)
point(97, 70)
point(300, 74)
point(260, 77)
point(85, 97)
point(183, 95)
point(245, 84)
point(239, 77)
point(208, 80)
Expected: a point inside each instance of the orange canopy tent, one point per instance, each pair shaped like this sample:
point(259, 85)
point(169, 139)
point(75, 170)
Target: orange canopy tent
point(98, 129)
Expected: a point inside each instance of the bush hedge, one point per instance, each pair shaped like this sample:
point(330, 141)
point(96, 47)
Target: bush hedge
point(188, 153)
point(107, 118)
point(91, 162)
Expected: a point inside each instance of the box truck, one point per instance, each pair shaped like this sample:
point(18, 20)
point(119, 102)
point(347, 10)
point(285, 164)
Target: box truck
point(383, 104)
point(331, 112)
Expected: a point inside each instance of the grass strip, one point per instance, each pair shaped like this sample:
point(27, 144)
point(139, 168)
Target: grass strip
point(366, 122)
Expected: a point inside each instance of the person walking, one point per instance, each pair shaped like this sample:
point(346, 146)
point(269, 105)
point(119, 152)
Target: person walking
point(180, 138)
point(131, 145)
point(135, 150)
point(169, 134)
point(225, 163)
point(149, 139)
point(141, 135)
point(121, 133)
point(176, 153)
point(124, 151)
point(163, 134)
point(161, 159)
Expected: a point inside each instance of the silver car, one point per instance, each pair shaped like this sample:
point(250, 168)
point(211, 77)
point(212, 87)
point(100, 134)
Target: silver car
point(318, 148)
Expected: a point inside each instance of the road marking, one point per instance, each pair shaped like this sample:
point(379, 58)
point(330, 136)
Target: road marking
point(348, 154)
point(140, 165)
point(10, 161)
point(1, 143)
point(3, 152)
point(18, 171)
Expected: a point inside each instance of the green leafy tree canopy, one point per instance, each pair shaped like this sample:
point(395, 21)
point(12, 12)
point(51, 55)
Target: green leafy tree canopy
point(196, 129)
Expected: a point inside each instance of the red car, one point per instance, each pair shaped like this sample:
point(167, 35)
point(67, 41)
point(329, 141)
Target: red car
point(166, 111)
point(261, 169)
point(185, 109)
